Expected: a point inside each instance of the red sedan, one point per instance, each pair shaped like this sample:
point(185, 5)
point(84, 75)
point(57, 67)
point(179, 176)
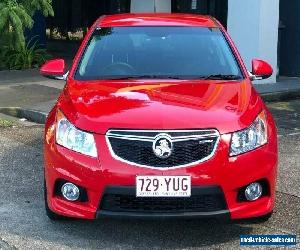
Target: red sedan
point(159, 118)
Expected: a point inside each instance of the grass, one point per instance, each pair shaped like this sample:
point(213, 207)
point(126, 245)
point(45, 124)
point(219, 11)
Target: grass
point(5, 123)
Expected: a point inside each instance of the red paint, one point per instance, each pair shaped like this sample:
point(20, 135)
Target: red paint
point(261, 68)
point(97, 106)
point(164, 19)
point(185, 104)
point(54, 67)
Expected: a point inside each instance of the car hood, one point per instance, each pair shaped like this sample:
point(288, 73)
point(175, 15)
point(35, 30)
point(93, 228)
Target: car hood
point(98, 106)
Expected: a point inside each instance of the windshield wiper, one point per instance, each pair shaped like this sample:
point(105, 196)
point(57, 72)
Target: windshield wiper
point(221, 77)
point(141, 77)
point(209, 77)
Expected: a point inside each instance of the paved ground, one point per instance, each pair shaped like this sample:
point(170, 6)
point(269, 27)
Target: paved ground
point(283, 84)
point(23, 224)
point(29, 90)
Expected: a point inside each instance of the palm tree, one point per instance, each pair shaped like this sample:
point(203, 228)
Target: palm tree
point(45, 6)
point(15, 16)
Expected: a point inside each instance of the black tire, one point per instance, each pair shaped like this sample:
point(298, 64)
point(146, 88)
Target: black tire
point(255, 220)
point(260, 219)
point(51, 215)
point(264, 218)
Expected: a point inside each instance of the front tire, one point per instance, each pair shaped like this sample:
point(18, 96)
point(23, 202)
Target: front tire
point(264, 218)
point(255, 220)
point(260, 219)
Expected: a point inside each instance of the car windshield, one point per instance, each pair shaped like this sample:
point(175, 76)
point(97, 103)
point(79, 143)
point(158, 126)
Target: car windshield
point(158, 52)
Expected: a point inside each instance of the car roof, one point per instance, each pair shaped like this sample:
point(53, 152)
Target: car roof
point(157, 19)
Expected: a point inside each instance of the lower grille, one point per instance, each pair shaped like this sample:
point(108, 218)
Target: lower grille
point(208, 199)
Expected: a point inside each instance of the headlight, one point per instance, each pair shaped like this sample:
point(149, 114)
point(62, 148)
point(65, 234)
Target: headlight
point(74, 139)
point(250, 138)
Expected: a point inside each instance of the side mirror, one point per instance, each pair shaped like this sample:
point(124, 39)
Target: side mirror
point(261, 70)
point(54, 69)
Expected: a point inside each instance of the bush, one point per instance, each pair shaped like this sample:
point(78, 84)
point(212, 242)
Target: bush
point(15, 17)
point(24, 57)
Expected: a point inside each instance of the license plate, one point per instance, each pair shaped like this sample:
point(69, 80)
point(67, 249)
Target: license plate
point(163, 186)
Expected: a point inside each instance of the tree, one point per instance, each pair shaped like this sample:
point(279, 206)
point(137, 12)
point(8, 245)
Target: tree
point(45, 6)
point(16, 16)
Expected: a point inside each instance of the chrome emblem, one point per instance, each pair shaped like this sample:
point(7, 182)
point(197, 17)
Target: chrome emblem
point(162, 146)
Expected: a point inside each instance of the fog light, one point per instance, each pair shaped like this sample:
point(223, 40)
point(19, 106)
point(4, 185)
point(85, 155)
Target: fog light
point(253, 191)
point(70, 191)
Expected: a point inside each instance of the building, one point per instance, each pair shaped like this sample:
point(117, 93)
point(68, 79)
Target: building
point(253, 25)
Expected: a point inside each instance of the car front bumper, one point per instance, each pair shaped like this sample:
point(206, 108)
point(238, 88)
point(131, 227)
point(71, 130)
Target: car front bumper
point(97, 175)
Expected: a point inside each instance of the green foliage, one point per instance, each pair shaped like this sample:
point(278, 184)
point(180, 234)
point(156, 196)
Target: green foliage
point(13, 20)
point(15, 16)
point(5, 123)
point(24, 57)
point(45, 6)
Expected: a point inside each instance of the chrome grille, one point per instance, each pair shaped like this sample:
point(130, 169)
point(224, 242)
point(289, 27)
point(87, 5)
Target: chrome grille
point(189, 147)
